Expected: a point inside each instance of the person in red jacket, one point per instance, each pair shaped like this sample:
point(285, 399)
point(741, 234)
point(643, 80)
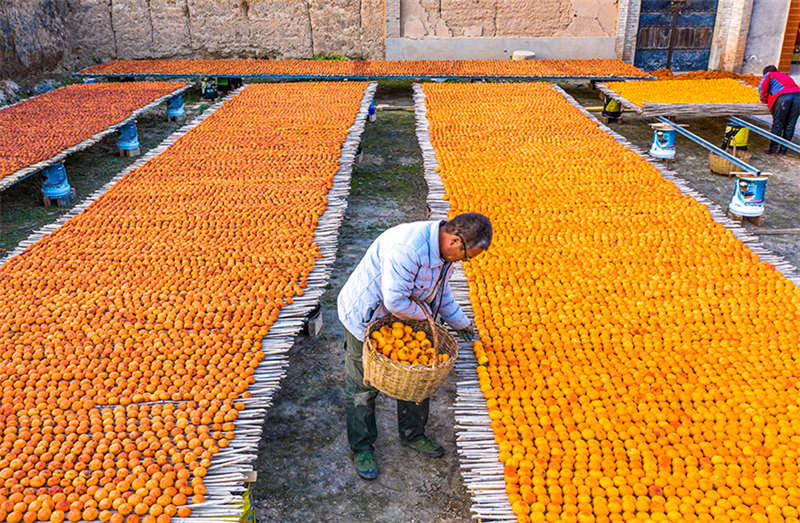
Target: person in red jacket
point(782, 95)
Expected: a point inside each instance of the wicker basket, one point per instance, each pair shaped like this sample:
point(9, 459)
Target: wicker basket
point(406, 382)
point(719, 165)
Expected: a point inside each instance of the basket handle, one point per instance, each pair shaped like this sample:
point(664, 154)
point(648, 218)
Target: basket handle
point(432, 325)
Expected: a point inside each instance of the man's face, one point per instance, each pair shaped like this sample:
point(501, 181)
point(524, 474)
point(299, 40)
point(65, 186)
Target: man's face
point(457, 250)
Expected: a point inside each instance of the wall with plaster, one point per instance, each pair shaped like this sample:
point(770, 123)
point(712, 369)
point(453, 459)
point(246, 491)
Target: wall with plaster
point(507, 18)
point(765, 37)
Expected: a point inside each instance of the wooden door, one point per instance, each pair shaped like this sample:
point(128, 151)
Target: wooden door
point(675, 34)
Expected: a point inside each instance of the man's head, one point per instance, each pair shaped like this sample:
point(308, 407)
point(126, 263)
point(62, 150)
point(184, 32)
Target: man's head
point(769, 69)
point(465, 236)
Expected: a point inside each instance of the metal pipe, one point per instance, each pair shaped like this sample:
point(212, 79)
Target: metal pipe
point(766, 134)
point(711, 147)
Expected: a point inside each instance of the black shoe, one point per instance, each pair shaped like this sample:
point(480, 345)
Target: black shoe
point(425, 445)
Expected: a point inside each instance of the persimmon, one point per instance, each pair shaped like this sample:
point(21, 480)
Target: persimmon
point(687, 91)
point(323, 68)
point(666, 74)
point(637, 360)
point(93, 308)
point(401, 343)
point(64, 117)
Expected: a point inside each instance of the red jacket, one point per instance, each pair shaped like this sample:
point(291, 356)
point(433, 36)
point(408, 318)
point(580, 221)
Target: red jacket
point(775, 84)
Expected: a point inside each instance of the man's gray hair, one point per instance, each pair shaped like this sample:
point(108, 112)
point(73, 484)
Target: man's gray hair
point(475, 228)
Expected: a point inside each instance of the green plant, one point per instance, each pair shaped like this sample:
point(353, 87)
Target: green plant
point(328, 57)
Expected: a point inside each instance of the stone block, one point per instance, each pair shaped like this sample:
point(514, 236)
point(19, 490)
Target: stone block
point(170, 28)
point(133, 28)
point(279, 29)
point(336, 27)
point(373, 28)
point(218, 28)
point(32, 35)
point(532, 18)
point(469, 17)
point(90, 32)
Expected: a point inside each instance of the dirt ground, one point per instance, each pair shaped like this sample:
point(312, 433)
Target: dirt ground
point(304, 467)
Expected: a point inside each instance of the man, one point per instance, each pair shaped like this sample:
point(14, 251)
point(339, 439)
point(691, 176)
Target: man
point(782, 95)
point(409, 260)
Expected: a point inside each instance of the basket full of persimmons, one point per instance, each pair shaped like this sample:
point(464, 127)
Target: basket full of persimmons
point(408, 360)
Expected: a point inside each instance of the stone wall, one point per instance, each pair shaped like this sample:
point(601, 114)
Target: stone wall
point(40, 35)
point(730, 35)
point(31, 35)
point(43, 35)
point(507, 18)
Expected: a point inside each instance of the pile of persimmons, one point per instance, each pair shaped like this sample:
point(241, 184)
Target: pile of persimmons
point(693, 91)
point(639, 362)
point(403, 344)
point(41, 127)
point(666, 74)
point(594, 67)
point(130, 335)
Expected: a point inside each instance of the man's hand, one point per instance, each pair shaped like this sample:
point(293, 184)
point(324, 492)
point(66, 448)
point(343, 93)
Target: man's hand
point(467, 333)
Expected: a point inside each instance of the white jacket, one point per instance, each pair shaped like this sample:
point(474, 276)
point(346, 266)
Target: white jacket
point(403, 261)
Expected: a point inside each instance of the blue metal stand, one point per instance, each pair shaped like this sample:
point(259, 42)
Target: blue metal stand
point(175, 106)
point(128, 139)
point(748, 196)
point(663, 146)
point(55, 184)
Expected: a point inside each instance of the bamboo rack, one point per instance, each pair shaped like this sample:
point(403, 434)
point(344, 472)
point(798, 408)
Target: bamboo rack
point(717, 213)
point(233, 466)
point(479, 455)
point(230, 468)
point(80, 207)
point(10, 179)
point(684, 110)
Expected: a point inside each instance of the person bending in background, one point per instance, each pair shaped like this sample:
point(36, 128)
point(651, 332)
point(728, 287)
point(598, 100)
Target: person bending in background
point(411, 260)
point(782, 95)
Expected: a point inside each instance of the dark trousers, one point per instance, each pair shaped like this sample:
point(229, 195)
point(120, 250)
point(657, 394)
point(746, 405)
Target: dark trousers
point(785, 111)
point(362, 430)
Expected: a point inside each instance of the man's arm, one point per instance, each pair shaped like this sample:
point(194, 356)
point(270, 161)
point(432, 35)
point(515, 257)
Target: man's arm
point(397, 283)
point(451, 311)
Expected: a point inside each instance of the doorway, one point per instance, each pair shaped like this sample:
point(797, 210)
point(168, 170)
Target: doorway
point(675, 34)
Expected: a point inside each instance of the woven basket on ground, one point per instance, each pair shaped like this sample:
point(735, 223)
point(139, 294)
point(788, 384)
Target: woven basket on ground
point(719, 165)
point(409, 382)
